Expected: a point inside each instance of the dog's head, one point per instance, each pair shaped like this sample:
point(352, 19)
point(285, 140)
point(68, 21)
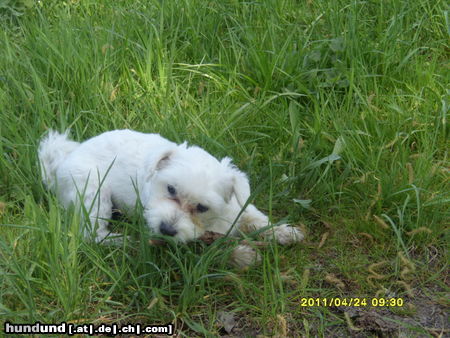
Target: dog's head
point(187, 192)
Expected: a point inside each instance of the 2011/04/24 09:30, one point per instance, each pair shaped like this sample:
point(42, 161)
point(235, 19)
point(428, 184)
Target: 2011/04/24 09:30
point(356, 302)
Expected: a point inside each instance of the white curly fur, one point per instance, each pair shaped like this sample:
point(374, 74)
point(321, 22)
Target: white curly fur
point(118, 167)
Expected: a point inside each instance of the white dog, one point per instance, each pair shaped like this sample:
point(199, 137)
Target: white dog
point(183, 189)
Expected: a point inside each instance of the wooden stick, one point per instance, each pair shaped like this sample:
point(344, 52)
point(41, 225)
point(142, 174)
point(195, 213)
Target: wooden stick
point(210, 237)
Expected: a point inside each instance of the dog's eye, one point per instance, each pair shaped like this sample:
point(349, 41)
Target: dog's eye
point(171, 190)
point(202, 208)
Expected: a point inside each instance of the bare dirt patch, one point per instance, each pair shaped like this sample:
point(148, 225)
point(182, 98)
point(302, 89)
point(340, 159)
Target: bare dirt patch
point(426, 317)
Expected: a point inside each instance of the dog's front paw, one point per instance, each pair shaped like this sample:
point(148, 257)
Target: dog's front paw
point(244, 255)
point(286, 234)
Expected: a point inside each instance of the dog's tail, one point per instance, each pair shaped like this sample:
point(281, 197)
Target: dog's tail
point(53, 149)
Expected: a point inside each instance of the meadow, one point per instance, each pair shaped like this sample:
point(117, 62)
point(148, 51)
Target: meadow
point(337, 110)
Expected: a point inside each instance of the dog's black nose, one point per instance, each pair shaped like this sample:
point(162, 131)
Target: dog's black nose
point(167, 229)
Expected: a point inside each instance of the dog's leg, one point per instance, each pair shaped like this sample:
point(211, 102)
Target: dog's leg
point(98, 205)
point(252, 219)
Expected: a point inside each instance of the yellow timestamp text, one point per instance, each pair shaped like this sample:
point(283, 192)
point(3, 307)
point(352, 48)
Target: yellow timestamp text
point(351, 301)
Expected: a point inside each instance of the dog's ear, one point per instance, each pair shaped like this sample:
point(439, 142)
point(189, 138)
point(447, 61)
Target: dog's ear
point(237, 183)
point(158, 161)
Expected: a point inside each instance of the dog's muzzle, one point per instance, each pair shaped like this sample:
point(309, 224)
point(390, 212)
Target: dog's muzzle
point(167, 229)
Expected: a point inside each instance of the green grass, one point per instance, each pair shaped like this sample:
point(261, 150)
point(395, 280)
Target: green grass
point(342, 103)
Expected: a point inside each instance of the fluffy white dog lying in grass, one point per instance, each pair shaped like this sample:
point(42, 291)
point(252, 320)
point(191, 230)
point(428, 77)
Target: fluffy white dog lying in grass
point(184, 190)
